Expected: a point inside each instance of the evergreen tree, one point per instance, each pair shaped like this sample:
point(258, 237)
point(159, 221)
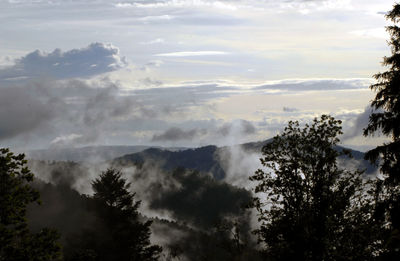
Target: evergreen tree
point(386, 118)
point(119, 234)
point(309, 208)
point(17, 243)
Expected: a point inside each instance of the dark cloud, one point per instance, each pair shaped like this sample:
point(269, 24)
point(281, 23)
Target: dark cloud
point(150, 82)
point(176, 134)
point(75, 112)
point(67, 112)
point(289, 109)
point(97, 58)
point(214, 130)
point(22, 111)
point(97, 114)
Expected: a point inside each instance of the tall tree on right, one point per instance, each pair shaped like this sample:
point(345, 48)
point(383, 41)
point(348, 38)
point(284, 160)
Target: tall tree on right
point(386, 119)
point(309, 207)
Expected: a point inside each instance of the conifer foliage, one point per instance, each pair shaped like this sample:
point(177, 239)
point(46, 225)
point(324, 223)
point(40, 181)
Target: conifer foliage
point(120, 233)
point(386, 119)
point(17, 242)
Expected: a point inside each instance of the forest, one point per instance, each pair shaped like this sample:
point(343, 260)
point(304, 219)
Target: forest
point(310, 198)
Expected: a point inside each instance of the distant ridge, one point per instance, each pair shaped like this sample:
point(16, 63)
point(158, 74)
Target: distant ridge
point(89, 153)
point(203, 159)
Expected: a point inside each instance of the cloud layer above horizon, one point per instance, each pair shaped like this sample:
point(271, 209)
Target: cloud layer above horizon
point(183, 73)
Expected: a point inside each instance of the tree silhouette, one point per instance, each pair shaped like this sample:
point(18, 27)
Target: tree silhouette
point(386, 118)
point(118, 234)
point(309, 208)
point(17, 243)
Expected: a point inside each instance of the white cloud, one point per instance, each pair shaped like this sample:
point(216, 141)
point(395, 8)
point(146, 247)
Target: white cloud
point(6, 61)
point(225, 5)
point(156, 18)
point(66, 140)
point(193, 53)
point(379, 32)
point(155, 41)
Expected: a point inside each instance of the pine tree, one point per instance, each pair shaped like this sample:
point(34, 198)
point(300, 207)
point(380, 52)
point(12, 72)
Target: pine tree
point(119, 233)
point(386, 118)
point(17, 242)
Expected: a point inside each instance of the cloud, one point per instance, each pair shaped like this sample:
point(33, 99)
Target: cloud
point(66, 140)
point(358, 123)
point(237, 127)
point(97, 58)
point(150, 82)
point(75, 112)
point(155, 63)
point(189, 94)
point(155, 41)
point(155, 19)
point(238, 165)
point(289, 109)
point(316, 85)
point(176, 134)
point(67, 113)
point(204, 132)
point(97, 114)
point(22, 111)
point(150, 65)
point(225, 5)
point(371, 33)
point(194, 53)
point(6, 61)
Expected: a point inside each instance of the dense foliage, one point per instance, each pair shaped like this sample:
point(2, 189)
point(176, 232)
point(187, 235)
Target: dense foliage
point(17, 242)
point(386, 119)
point(310, 208)
point(118, 234)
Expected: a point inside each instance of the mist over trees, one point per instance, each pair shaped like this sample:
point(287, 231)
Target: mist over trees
point(117, 233)
point(306, 204)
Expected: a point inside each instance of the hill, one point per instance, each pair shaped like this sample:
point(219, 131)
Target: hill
point(88, 154)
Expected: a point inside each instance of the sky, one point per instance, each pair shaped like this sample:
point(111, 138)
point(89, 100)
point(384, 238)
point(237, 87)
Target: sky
point(185, 73)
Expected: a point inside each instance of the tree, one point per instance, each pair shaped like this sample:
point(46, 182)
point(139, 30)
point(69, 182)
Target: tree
point(119, 234)
point(16, 240)
point(309, 208)
point(386, 118)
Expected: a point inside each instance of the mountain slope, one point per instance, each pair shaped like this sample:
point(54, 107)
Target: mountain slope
point(207, 159)
point(201, 159)
point(90, 153)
